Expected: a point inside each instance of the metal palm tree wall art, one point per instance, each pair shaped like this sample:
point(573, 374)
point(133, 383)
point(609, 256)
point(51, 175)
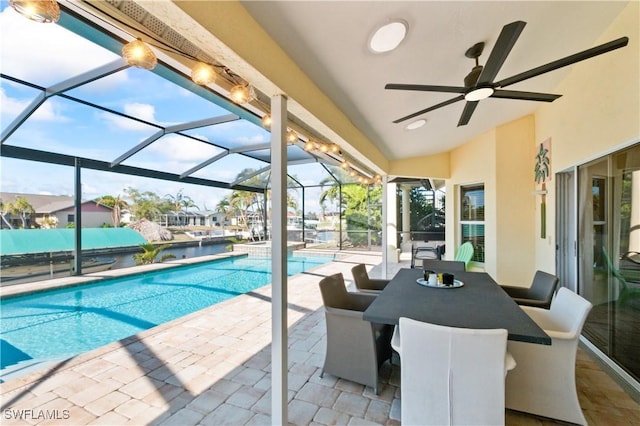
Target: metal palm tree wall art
point(542, 172)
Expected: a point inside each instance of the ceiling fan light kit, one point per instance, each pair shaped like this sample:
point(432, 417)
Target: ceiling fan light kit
point(480, 83)
point(416, 124)
point(388, 37)
point(479, 94)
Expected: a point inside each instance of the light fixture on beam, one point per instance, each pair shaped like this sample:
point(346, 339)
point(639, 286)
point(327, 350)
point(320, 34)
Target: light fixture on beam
point(138, 54)
point(44, 11)
point(266, 121)
point(292, 136)
point(242, 94)
point(203, 74)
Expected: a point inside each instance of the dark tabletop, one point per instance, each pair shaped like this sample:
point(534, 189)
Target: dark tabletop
point(480, 303)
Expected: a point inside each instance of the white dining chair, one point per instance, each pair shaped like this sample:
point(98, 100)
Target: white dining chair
point(544, 382)
point(451, 375)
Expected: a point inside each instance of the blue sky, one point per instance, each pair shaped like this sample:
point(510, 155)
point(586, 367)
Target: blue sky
point(46, 54)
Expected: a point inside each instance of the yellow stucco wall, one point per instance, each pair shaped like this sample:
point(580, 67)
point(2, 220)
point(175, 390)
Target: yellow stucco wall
point(598, 113)
point(502, 159)
point(436, 166)
point(515, 205)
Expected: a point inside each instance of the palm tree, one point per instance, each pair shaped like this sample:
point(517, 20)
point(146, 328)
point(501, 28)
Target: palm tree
point(180, 202)
point(116, 204)
point(150, 253)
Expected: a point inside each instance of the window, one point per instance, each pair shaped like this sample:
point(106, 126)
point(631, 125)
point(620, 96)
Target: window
point(71, 218)
point(472, 219)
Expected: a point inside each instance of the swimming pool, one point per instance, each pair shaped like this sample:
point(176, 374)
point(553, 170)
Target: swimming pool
point(61, 323)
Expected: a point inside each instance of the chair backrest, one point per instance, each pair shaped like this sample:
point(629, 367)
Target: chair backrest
point(443, 265)
point(360, 277)
point(568, 313)
point(465, 253)
point(334, 292)
point(544, 286)
point(451, 375)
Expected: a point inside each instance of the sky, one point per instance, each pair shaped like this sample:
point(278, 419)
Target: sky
point(46, 54)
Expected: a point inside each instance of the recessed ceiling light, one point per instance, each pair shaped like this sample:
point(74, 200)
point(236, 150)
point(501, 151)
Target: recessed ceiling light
point(416, 124)
point(388, 37)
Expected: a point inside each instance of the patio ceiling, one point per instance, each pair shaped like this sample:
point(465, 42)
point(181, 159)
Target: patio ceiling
point(90, 107)
point(323, 44)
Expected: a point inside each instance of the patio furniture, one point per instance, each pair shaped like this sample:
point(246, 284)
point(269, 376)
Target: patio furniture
point(364, 283)
point(356, 348)
point(443, 265)
point(479, 303)
point(425, 250)
point(627, 291)
point(465, 253)
point(542, 290)
point(544, 382)
point(452, 375)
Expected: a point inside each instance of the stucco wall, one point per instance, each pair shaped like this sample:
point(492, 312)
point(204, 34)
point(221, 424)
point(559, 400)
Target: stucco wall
point(598, 113)
point(502, 159)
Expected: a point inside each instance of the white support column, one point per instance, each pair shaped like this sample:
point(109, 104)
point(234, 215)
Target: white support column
point(634, 226)
point(385, 237)
point(406, 216)
point(279, 361)
point(390, 222)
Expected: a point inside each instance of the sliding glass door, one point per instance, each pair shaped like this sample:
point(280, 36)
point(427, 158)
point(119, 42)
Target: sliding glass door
point(609, 254)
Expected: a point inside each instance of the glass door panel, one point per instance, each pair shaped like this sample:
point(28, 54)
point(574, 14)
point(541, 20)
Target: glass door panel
point(609, 258)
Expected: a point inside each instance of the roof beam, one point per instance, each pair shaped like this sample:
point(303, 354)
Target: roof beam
point(202, 123)
point(204, 164)
point(256, 147)
point(249, 176)
point(23, 116)
point(148, 141)
point(104, 166)
point(173, 129)
point(88, 77)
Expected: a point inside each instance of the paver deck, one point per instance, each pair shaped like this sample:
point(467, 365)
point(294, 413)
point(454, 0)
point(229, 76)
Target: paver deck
point(212, 367)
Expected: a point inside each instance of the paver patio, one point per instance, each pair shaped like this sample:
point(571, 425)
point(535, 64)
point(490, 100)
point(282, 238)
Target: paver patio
point(212, 367)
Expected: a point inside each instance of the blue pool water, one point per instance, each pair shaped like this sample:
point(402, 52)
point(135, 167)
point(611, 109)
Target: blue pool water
point(62, 323)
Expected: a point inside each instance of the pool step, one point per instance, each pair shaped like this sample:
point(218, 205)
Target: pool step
point(27, 366)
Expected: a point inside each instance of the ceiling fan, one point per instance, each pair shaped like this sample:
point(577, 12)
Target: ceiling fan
point(479, 83)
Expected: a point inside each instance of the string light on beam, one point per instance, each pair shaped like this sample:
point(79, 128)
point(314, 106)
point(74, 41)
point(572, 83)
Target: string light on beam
point(292, 136)
point(203, 74)
point(242, 94)
point(266, 121)
point(138, 54)
point(44, 11)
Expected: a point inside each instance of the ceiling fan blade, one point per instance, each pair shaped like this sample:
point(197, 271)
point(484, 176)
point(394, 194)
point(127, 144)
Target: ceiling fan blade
point(425, 88)
point(440, 105)
point(467, 112)
point(526, 96)
point(506, 40)
point(569, 60)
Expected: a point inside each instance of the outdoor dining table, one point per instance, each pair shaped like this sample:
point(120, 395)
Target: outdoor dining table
point(479, 303)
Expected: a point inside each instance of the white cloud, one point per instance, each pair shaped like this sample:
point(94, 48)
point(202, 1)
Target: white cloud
point(48, 111)
point(181, 149)
point(33, 44)
point(142, 111)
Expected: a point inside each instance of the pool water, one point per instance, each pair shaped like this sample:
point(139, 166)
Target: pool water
point(61, 323)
